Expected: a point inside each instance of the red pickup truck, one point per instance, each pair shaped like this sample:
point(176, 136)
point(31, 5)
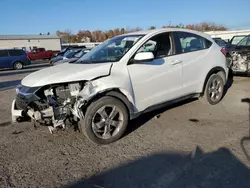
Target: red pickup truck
point(40, 53)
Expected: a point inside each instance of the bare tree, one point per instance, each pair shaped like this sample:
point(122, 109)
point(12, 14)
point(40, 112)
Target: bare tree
point(152, 27)
point(99, 36)
point(116, 32)
point(110, 34)
point(123, 31)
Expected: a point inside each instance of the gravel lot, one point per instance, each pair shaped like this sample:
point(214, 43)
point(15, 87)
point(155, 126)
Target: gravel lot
point(190, 145)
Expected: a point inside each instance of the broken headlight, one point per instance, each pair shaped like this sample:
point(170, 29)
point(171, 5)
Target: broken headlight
point(74, 88)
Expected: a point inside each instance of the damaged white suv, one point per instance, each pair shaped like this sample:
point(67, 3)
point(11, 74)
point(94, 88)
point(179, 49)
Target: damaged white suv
point(122, 78)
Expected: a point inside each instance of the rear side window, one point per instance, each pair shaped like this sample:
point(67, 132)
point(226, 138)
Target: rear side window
point(189, 42)
point(4, 53)
point(16, 52)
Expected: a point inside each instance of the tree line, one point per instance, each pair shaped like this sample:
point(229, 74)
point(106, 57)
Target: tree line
point(100, 36)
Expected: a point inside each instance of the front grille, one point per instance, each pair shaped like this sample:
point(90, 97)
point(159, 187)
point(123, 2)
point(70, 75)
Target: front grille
point(21, 103)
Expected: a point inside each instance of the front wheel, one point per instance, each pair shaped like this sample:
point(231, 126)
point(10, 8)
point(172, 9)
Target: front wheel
point(105, 121)
point(18, 65)
point(214, 89)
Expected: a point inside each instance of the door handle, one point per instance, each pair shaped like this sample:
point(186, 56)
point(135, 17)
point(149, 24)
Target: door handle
point(175, 62)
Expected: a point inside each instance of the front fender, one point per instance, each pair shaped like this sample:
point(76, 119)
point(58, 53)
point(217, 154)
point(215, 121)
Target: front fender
point(96, 89)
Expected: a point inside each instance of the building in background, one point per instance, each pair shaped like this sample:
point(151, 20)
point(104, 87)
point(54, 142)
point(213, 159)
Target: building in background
point(28, 42)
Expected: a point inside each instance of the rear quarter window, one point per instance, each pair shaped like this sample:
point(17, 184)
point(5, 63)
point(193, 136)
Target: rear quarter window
point(208, 43)
point(189, 42)
point(16, 52)
point(4, 53)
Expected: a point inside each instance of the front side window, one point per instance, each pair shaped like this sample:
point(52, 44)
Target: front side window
point(34, 51)
point(190, 42)
point(4, 53)
point(111, 50)
point(160, 45)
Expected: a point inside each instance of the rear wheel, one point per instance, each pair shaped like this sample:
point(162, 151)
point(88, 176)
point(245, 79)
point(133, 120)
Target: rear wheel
point(105, 121)
point(214, 89)
point(18, 65)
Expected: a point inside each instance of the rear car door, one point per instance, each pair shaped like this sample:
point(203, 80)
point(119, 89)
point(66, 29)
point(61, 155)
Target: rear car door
point(4, 59)
point(194, 50)
point(159, 80)
point(18, 55)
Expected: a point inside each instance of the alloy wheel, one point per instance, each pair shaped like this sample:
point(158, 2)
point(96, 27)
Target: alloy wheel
point(215, 89)
point(107, 121)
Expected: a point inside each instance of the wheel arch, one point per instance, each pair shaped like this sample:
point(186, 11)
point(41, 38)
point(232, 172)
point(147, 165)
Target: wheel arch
point(16, 60)
point(214, 70)
point(116, 93)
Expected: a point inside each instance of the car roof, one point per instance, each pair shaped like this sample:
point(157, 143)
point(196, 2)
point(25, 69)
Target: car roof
point(11, 49)
point(156, 31)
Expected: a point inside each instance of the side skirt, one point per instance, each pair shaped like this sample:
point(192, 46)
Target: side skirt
point(165, 104)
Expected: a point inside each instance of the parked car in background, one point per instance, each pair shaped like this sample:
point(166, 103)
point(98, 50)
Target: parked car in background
point(74, 58)
point(40, 53)
point(236, 39)
point(222, 43)
point(68, 54)
point(66, 48)
point(13, 58)
point(119, 80)
point(243, 44)
point(233, 42)
point(240, 55)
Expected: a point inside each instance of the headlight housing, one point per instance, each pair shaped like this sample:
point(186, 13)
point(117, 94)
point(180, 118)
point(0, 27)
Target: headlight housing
point(20, 89)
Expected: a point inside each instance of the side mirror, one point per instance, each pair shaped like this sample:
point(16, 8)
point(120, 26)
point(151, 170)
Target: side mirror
point(144, 56)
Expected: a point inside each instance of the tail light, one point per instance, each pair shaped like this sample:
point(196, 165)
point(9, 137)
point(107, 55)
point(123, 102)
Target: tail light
point(224, 51)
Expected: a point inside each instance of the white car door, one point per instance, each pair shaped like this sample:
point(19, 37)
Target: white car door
point(195, 58)
point(159, 80)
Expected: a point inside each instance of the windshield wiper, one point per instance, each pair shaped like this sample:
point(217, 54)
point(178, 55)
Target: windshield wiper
point(76, 61)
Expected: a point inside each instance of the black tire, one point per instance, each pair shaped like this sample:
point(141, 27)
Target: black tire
point(18, 65)
point(86, 125)
point(207, 98)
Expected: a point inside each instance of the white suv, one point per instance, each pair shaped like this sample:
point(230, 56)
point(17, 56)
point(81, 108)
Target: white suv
point(122, 78)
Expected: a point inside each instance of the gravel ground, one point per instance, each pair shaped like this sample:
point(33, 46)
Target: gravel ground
point(189, 145)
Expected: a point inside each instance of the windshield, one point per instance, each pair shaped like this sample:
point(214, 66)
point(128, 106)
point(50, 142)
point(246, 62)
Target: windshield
point(244, 42)
point(221, 43)
point(63, 50)
point(111, 50)
point(70, 52)
point(81, 53)
point(237, 39)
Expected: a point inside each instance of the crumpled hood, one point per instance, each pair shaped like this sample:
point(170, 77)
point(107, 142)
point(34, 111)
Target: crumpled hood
point(66, 72)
